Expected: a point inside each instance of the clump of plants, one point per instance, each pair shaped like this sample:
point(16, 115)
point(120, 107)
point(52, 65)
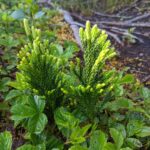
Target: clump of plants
point(64, 102)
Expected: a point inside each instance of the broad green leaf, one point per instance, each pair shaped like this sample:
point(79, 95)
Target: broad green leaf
point(39, 14)
point(12, 94)
point(144, 132)
point(37, 123)
point(77, 135)
point(110, 146)
point(18, 14)
point(126, 148)
point(98, 141)
point(118, 117)
point(145, 93)
point(29, 1)
point(133, 143)
point(57, 49)
point(41, 146)
point(134, 127)
point(53, 142)
point(3, 84)
point(37, 103)
point(20, 111)
point(9, 42)
point(121, 128)
point(65, 119)
point(117, 137)
point(77, 147)
point(27, 147)
point(31, 147)
point(5, 140)
point(119, 90)
point(129, 78)
point(120, 104)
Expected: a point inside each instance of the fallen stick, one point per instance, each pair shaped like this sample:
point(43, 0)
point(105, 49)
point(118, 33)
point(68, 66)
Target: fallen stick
point(146, 78)
point(120, 23)
point(128, 34)
point(138, 18)
point(73, 26)
point(122, 30)
point(114, 36)
point(145, 25)
point(110, 16)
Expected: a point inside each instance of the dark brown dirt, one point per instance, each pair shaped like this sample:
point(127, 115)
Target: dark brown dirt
point(7, 125)
point(137, 58)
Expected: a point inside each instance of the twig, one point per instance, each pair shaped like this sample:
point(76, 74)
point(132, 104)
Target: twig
point(146, 78)
point(129, 34)
point(74, 27)
point(108, 15)
point(138, 18)
point(78, 24)
point(146, 25)
point(114, 36)
point(78, 17)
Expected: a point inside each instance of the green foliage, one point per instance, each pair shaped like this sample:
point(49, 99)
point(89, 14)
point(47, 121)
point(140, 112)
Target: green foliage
point(98, 141)
point(30, 114)
point(63, 102)
point(96, 51)
point(90, 93)
point(32, 147)
point(76, 135)
point(5, 140)
point(69, 126)
point(40, 68)
point(93, 86)
point(117, 137)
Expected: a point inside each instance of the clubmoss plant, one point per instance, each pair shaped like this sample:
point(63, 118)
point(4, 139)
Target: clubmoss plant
point(39, 70)
point(93, 82)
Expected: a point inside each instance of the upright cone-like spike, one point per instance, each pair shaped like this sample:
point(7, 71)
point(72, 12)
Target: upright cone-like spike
point(26, 27)
point(88, 30)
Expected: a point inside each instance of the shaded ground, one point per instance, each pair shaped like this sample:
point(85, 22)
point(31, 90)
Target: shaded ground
point(137, 58)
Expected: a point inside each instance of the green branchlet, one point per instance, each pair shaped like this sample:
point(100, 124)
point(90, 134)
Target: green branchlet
point(40, 71)
point(92, 85)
